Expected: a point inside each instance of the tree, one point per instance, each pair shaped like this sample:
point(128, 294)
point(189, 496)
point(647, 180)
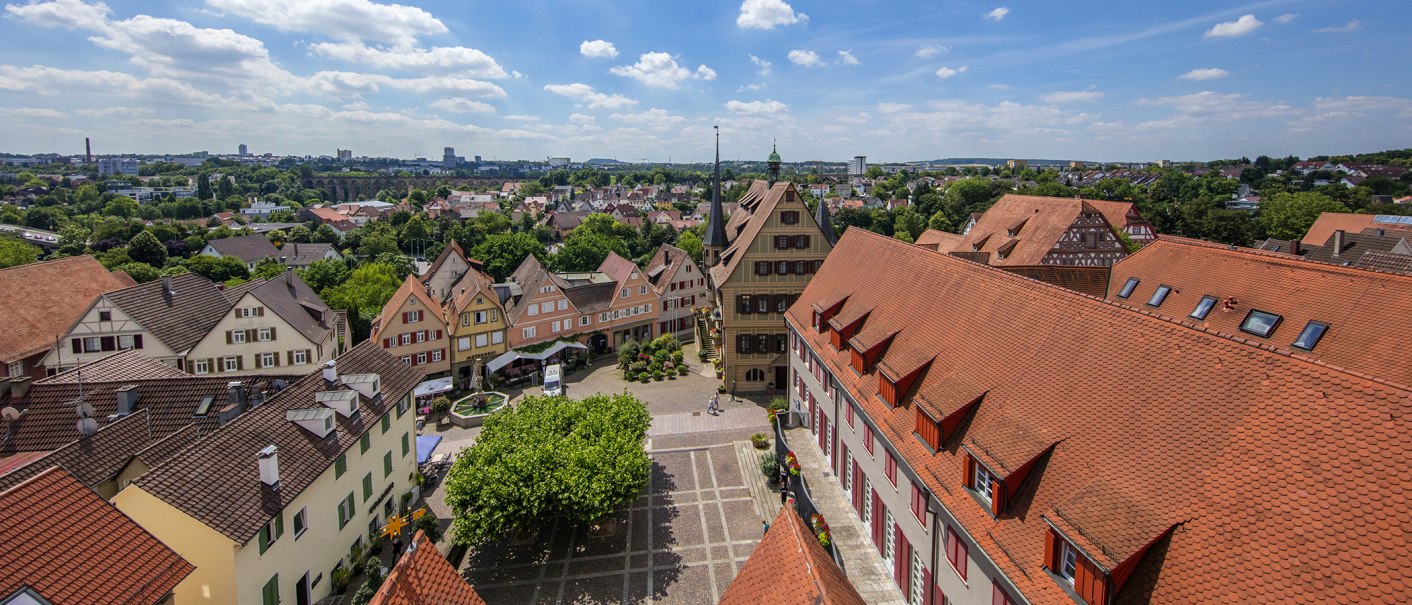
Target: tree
point(140, 272)
point(367, 289)
point(144, 248)
point(277, 237)
point(939, 222)
point(267, 268)
point(121, 207)
point(300, 234)
point(47, 217)
point(378, 243)
point(325, 234)
point(325, 273)
point(585, 250)
point(217, 270)
point(203, 186)
point(503, 252)
point(14, 252)
point(1289, 215)
point(691, 242)
point(966, 196)
point(548, 457)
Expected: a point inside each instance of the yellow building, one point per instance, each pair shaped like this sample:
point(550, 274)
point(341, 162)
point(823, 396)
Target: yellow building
point(476, 322)
point(270, 505)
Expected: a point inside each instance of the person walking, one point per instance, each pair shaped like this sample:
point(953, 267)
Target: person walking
point(784, 494)
point(765, 527)
point(712, 405)
point(784, 476)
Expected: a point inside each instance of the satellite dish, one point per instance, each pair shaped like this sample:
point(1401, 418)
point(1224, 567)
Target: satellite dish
point(84, 410)
point(87, 426)
point(9, 414)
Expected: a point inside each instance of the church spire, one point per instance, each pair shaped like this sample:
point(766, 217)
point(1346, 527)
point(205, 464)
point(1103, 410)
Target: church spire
point(716, 226)
point(774, 163)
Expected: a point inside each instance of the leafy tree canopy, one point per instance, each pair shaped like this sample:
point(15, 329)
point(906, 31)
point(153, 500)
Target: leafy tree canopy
point(502, 252)
point(14, 252)
point(144, 248)
point(217, 270)
point(1289, 215)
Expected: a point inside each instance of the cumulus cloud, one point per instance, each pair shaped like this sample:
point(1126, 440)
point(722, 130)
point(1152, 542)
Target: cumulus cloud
point(756, 108)
point(586, 96)
point(1205, 73)
point(660, 70)
point(339, 19)
point(1226, 106)
point(68, 14)
point(655, 119)
point(1286, 18)
point(104, 112)
point(767, 14)
point(1244, 25)
point(928, 51)
point(338, 82)
point(847, 58)
point(1347, 28)
point(996, 14)
point(807, 58)
point(891, 107)
point(40, 113)
point(762, 64)
point(598, 49)
point(441, 59)
point(1074, 96)
point(463, 106)
point(947, 72)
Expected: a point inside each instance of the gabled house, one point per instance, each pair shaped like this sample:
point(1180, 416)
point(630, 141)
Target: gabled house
point(422, 576)
point(602, 308)
point(412, 327)
point(633, 309)
point(300, 256)
point(278, 326)
point(445, 271)
point(476, 323)
point(789, 567)
point(42, 300)
point(248, 249)
point(680, 285)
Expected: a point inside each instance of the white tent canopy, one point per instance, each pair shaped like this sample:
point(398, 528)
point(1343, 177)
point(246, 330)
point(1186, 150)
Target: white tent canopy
point(432, 387)
point(504, 360)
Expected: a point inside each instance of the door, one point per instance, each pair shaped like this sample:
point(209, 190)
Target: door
point(301, 591)
point(781, 377)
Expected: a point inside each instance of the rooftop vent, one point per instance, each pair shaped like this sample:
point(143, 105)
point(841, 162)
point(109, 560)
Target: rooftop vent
point(235, 395)
point(318, 421)
point(343, 402)
point(269, 466)
point(127, 399)
point(330, 373)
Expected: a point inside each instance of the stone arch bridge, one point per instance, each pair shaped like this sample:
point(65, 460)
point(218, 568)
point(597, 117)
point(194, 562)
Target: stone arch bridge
point(353, 188)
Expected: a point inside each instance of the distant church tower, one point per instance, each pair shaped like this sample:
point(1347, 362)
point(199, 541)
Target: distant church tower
point(774, 163)
point(715, 242)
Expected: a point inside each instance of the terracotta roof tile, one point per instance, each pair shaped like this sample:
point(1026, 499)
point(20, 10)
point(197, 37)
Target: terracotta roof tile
point(92, 459)
point(940, 241)
point(1385, 262)
point(410, 288)
point(742, 228)
point(789, 567)
point(65, 287)
point(1041, 222)
point(126, 566)
point(1329, 222)
point(1221, 456)
point(423, 577)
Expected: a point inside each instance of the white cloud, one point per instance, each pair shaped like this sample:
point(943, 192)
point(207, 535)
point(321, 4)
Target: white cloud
point(947, 72)
point(1286, 18)
point(68, 14)
point(660, 70)
point(890, 107)
point(519, 117)
point(592, 99)
point(339, 19)
point(762, 64)
point(655, 119)
point(160, 123)
point(114, 111)
point(807, 58)
point(45, 80)
point(598, 49)
point(580, 119)
point(1074, 96)
point(1221, 106)
point(928, 51)
point(1205, 73)
point(33, 113)
point(766, 107)
point(1001, 87)
point(1362, 103)
point(458, 105)
point(996, 14)
point(1347, 28)
point(1244, 25)
point(862, 118)
point(766, 14)
point(441, 59)
point(335, 82)
point(847, 58)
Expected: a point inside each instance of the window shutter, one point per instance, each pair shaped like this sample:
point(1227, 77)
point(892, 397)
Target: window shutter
point(1051, 550)
point(250, 335)
point(903, 558)
point(137, 341)
point(438, 335)
point(78, 345)
point(970, 472)
point(276, 356)
point(274, 333)
point(801, 267)
point(259, 311)
point(109, 343)
point(264, 541)
point(929, 591)
point(289, 357)
point(240, 362)
point(230, 338)
point(279, 525)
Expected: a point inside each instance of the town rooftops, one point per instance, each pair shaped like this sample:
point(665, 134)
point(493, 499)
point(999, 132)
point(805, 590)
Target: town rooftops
point(1186, 462)
point(1361, 316)
point(664, 264)
point(248, 248)
point(789, 567)
point(302, 255)
point(939, 241)
point(1329, 222)
point(180, 317)
point(296, 303)
point(91, 459)
point(413, 289)
point(422, 576)
point(217, 481)
point(1020, 230)
point(42, 300)
point(68, 547)
point(752, 212)
point(452, 249)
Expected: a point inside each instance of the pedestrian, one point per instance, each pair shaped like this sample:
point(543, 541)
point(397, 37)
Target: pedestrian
point(396, 547)
point(765, 527)
point(784, 494)
point(784, 476)
point(715, 404)
point(733, 399)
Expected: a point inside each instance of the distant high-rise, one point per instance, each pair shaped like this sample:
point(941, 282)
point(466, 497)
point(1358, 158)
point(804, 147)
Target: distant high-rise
point(345, 154)
point(859, 166)
point(448, 157)
point(117, 166)
point(244, 151)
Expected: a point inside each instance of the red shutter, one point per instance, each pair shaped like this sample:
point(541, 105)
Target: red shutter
point(877, 521)
point(110, 343)
point(858, 489)
point(970, 471)
point(903, 559)
point(931, 593)
point(1051, 550)
point(438, 335)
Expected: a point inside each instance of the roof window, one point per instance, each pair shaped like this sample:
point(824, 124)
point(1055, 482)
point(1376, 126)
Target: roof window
point(1310, 335)
point(1128, 287)
point(1260, 323)
point(1203, 307)
point(1159, 296)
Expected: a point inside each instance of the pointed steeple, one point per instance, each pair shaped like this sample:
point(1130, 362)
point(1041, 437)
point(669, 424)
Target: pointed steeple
point(821, 215)
point(774, 163)
point(715, 240)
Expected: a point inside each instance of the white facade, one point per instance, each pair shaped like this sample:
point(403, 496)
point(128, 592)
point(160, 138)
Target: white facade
point(858, 166)
point(103, 330)
point(252, 339)
point(110, 166)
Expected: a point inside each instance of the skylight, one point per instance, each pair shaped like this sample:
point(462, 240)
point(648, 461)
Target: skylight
point(1159, 296)
point(205, 407)
point(1203, 307)
point(1128, 288)
point(1260, 323)
point(1310, 335)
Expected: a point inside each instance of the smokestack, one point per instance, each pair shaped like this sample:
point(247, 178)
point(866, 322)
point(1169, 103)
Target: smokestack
point(87, 150)
point(1338, 242)
point(269, 466)
point(167, 284)
point(127, 399)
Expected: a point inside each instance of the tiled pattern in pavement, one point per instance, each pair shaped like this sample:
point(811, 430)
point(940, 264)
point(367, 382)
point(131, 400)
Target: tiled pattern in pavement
point(681, 542)
point(698, 422)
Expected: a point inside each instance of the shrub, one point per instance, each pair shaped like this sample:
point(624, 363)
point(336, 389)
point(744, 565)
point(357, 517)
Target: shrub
point(701, 354)
point(340, 577)
point(681, 370)
point(760, 440)
point(429, 525)
point(770, 465)
point(658, 375)
point(439, 407)
point(677, 356)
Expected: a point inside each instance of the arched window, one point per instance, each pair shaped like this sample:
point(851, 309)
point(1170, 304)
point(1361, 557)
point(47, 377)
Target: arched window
point(755, 375)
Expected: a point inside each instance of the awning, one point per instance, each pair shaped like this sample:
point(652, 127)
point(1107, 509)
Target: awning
point(506, 359)
point(433, 387)
point(426, 444)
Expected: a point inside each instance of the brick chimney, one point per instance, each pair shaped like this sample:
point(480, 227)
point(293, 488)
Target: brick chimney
point(1294, 247)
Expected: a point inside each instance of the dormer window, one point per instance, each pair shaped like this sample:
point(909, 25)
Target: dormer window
point(983, 482)
point(1128, 287)
point(1159, 296)
point(1260, 323)
point(1203, 307)
point(1068, 562)
point(1310, 335)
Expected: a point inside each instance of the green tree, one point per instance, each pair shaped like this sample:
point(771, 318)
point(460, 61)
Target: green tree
point(548, 457)
point(325, 273)
point(585, 250)
point(939, 222)
point(140, 272)
point(966, 196)
point(363, 294)
point(217, 270)
point(691, 242)
point(144, 248)
point(503, 252)
point(325, 234)
point(1289, 215)
point(267, 268)
point(14, 252)
point(277, 237)
point(378, 243)
point(47, 217)
point(300, 234)
point(203, 186)
point(121, 207)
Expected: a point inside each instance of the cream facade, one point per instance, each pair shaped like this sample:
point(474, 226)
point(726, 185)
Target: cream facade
point(102, 330)
point(253, 339)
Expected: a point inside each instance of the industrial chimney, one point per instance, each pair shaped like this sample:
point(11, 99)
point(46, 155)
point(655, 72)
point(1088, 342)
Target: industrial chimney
point(87, 150)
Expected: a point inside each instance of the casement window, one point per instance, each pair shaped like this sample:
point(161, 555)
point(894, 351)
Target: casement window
point(583, 320)
point(301, 357)
point(782, 242)
point(554, 327)
point(868, 439)
point(547, 307)
point(916, 587)
point(956, 552)
point(231, 363)
point(406, 360)
point(742, 302)
point(845, 475)
point(265, 334)
point(345, 510)
point(782, 302)
point(364, 442)
point(532, 310)
point(421, 336)
point(463, 343)
point(270, 532)
point(340, 466)
point(801, 241)
point(105, 316)
point(465, 319)
point(983, 482)
point(789, 217)
point(237, 337)
point(200, 366)
point(782, 267)
point(744, 343)
point(436, 356)
point(1068, 562)
point(763, 267)
point(890, 467)
point(367, 486)
point(780, 345)
point(421, 359)
point(562, 304)
point(481, 340)
point(406, 338)
point(624, 292)
point(801, 267)
point(762, 303)
point(889, 540)
point(406, 443)
point(480, 317)
point(848, 414)
point(762, 343)
point(126, 342)
point(919, 503)
point(603, 316)
point(641, 290)
point(528, 332)
point(497, 337)
point(386, 464)
point(269, 593)
point(267, 360)
point(301, 522)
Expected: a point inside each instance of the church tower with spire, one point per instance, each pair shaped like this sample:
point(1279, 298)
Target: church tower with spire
point(774, 163)
point(715, 241)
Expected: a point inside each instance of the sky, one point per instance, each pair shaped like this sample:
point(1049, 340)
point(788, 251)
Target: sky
point(647, 79)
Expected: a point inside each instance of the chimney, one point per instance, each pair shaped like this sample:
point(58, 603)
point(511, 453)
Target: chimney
point(1338, 243)
point(288, 275)
point(234, 394)
point(1294, 247)
point(87, 150)
point(167, 284)
point(330, 373)
point(269, 466)
point(127, 399)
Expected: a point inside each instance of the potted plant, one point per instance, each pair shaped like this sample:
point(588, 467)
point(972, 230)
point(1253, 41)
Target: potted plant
point(770, 466)
point(792, 463)
point(760, 441)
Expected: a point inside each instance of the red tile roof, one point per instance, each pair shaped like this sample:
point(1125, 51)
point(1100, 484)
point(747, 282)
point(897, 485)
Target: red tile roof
point(1367, 313)
point(1037, 222)
point(423, 577)
point(71, 547)
point(1329, 222)
point(940, 241)
point(411, 288)
point(789, 567)
point(42, 300)
point(1228, 457)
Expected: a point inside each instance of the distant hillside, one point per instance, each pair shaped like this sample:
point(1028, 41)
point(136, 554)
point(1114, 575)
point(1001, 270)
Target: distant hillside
point(993, 161)
point(603, 161)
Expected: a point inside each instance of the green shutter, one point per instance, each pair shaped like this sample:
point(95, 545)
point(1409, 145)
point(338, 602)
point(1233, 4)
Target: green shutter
point(363, 443)
point(406, 443)
point(401, 409)
point(387, 464)
point(264, 541)
point(340, 466)
point(270, 593)
point(367, 486)
point(279, 524)
point(347, 503)
point(386, 423)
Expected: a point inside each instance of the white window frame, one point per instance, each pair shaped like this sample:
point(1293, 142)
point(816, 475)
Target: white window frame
point(480, 317)
point(95, 341)
point(546, 307)
point(984, 485)
point(847, 475)
point(422, 358)
point(421, 336)
point(867, 501)
point(300, 518)
point(264, 334)
point(889, 541)
point(267, 360)
point(436, 356)
point(583, 320)
point(481, 340)
point(497, 337)
point(301, 357)
point(532, 310)
point(641, 290)
point(528, 332)
point(229, 363)
point(915, 589)
point(199, 366)
point(463, 343)
point(1068, 561)
point(131, 342)
point(563, 304)
point(237, 337)
point(406, 338)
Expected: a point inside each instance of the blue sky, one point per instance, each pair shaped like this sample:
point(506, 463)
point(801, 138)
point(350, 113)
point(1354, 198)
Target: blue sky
point(632, 79)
